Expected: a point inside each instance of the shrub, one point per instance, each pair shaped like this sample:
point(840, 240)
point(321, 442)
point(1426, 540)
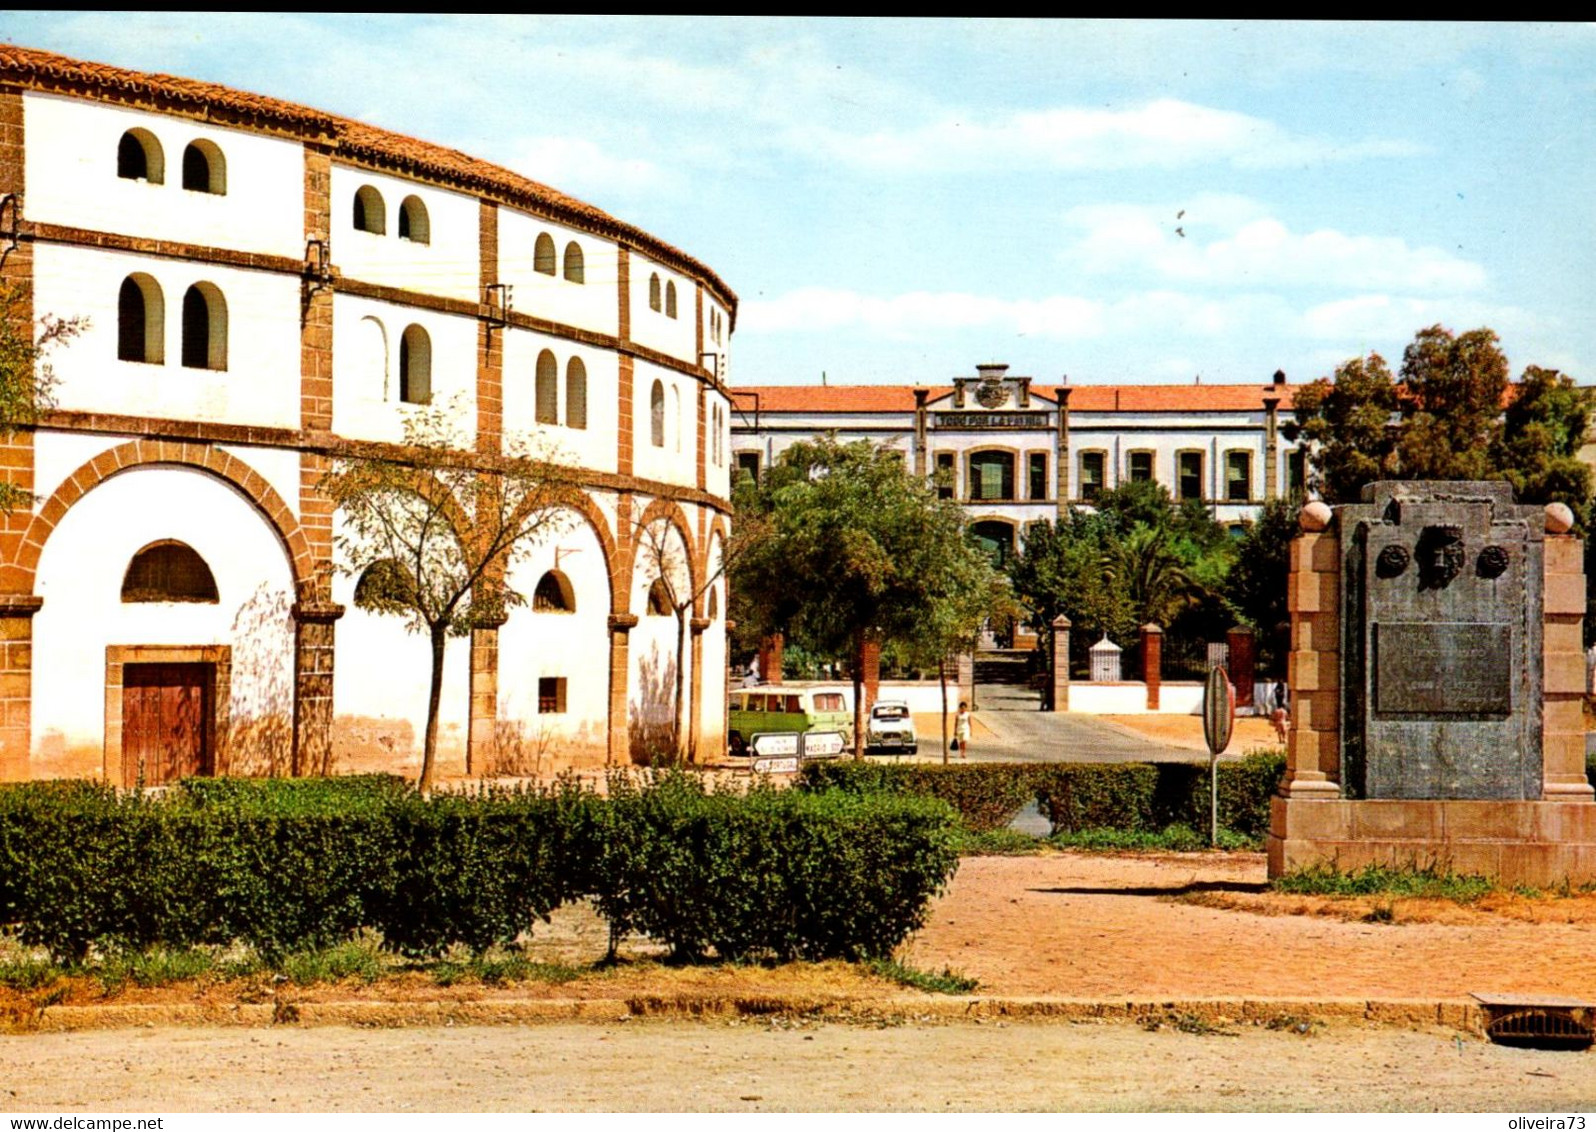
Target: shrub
point(985, 795)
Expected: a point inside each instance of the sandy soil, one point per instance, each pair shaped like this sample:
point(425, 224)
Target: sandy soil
point(780, 1065)
point(1186, 731)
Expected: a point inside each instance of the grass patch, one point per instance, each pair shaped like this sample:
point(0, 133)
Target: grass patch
point(28, 973)
point(356, 959)
point(1431, 880)
point(1172, 839)
point(948, 982)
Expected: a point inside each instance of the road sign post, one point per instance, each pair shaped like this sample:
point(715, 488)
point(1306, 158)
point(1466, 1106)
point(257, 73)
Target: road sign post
point(1219, 720)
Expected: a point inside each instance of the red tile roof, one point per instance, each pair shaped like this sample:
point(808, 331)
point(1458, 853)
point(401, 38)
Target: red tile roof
point(1083, 398)
point(45, 70)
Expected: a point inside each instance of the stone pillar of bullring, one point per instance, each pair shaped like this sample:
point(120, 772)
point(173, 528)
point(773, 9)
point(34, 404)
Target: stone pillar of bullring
point(695, 709)
point(313, 685)
point(482, 747)
point(619, 747)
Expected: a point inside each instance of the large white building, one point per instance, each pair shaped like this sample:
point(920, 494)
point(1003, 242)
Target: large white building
point(1014, 451)
point(265, 287)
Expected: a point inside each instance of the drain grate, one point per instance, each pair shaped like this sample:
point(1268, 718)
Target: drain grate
point(1538, 1021)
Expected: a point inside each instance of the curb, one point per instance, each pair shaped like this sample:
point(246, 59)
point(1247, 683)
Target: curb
point(1456, 1014)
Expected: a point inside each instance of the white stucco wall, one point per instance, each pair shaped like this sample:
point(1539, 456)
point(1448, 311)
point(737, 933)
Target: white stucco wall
point(592, 447)
point(366, 403)
point(260, 385)
point(654, 328)
point(593, 304)
point(675, 461)
point(448, 264)
point(80, 578)
point(72, 180)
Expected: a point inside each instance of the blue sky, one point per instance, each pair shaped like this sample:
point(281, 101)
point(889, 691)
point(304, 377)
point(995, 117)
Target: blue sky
point(899, 200)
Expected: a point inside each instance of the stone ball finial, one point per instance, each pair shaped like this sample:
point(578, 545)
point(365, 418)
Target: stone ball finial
point(1559, 519)
point(1314, 516)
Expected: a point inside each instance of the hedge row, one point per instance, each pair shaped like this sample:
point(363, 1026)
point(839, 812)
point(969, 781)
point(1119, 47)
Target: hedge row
point(282, 865)
point(1134, 797)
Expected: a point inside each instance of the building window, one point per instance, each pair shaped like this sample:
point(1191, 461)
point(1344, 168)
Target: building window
point(168, 571)
point(1036, 473)
point(1093, 466)
point(553, 594)
point(575, 394)
point(385, 587)
point(656, 414)
point(370, 213)
point(676, 416)
point(995, 537)
point(653, 292)
point(1238, 476)
point(413, 223)
point(1296, 473)
point(204, 327)
point(749, 462)
point(372, 358)
point(543, 259)
point(548, 389)
point(1189, 475)
point(991, 475)
point(946, 476)
point(670, 300)
point(204, 168)
point(140, 320)
point(551, 695)
point(415, 366)
point(139, 158)
point(1139, 467)
point(659, 599)
point(574, 271)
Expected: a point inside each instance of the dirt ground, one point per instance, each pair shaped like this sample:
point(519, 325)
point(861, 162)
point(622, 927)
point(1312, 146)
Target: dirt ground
point(779, 1065)
point(1186, 731)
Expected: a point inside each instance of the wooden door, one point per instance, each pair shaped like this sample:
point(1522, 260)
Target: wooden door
point(166, 711)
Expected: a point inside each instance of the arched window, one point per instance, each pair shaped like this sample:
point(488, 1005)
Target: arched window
point(372, 358)
point(548, 389)
point(656, 414)
point(370, 215)
point(415, 366)
point(573, 262)
point(204, 327)
point(543, 254)
point(204, 167)
point(670, 300)
point(676, 416)
point(168, 571)
point(554, 594)
point(139, 158)
point(575, 394)
point(385, 587)
point(659, 599)
point(413, 224)
point(140, 321)
point(653, 292)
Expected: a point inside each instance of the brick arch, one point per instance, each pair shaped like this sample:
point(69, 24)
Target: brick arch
point(18, 575)
point(582, 503)
point(717, 526)
point(671, 512)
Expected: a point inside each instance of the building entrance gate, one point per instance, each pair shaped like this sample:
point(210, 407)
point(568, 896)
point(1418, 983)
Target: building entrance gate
point(166, 711)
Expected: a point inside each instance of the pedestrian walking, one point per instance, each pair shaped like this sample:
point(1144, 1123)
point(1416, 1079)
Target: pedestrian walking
point(961, 730)
point(1278, 715)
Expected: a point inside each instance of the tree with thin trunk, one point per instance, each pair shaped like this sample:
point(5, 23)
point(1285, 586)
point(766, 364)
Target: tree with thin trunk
point(662, 555)
point(431, 530)
point(26, 379)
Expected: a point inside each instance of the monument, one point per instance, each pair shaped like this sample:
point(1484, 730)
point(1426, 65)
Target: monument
point(1438, 676)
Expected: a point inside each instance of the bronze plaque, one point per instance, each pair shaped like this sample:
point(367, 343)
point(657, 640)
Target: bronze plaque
point(1442, 668)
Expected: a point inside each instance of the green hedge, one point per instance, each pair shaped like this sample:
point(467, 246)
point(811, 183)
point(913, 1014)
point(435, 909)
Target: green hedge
point(284, 865)
point(1133, 797)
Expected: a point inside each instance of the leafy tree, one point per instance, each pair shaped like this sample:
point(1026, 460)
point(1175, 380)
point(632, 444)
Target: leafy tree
point(1346, 424)
point(26, 379)
point(430, 535)
point(1256, 587)
point(839, 542)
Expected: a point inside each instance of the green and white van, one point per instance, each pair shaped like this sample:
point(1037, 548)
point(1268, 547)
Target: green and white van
point(784, 709)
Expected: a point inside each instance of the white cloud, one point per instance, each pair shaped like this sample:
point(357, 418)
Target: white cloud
point(1228, 241)
point(578, 165)
point(1165, 134)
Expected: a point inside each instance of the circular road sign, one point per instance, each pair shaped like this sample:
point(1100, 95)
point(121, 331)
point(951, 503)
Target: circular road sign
point(1219, 709)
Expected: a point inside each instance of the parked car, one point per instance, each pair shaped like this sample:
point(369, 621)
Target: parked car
point(891, 729)
point(775, 708)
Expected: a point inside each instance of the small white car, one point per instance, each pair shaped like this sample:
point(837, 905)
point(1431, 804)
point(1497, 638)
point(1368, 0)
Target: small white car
point(891, 729)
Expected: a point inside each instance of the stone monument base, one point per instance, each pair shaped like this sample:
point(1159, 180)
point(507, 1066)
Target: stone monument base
point(1536, 843)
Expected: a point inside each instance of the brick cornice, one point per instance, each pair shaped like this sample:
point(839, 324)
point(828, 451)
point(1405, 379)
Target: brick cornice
point(327, 444)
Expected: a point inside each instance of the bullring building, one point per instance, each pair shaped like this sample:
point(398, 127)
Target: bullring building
point(266, 287)
point(1014, 451)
